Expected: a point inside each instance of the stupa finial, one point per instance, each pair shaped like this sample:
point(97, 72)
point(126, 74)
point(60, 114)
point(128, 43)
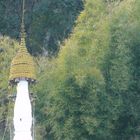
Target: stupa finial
point(23, 11)
point(23, 34)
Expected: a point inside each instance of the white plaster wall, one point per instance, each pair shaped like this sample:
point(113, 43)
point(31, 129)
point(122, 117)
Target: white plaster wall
point(22, 113)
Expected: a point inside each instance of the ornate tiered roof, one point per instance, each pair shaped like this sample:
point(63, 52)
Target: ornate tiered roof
point(22, 66)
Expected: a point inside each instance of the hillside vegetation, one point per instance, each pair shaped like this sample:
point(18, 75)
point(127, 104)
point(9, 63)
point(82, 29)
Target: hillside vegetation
point(91, 90)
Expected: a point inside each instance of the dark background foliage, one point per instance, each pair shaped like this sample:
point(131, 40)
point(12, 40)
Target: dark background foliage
point(47, 22)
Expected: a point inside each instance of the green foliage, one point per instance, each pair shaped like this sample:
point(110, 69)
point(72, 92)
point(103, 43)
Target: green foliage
point(7, 50)
point(52, 23)
point(91, 90)
point(47, 22)
point(77, 105)
point(121, 69)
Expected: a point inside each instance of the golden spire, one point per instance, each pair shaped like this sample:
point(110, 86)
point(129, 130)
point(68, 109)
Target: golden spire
point(22, 66)
point(23, 34)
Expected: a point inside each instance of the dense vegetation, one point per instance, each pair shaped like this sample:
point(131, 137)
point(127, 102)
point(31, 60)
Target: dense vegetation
point(8, 48)
point(48, 22)
point(90, 91)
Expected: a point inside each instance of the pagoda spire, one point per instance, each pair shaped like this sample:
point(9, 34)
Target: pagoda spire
point(22, 66)
point(23, 33)
point(22, 74)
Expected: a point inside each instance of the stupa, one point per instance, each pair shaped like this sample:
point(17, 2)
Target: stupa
point(22, 74)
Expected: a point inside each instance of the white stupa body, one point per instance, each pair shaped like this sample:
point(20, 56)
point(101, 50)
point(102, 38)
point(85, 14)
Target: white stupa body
point(22, 113)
